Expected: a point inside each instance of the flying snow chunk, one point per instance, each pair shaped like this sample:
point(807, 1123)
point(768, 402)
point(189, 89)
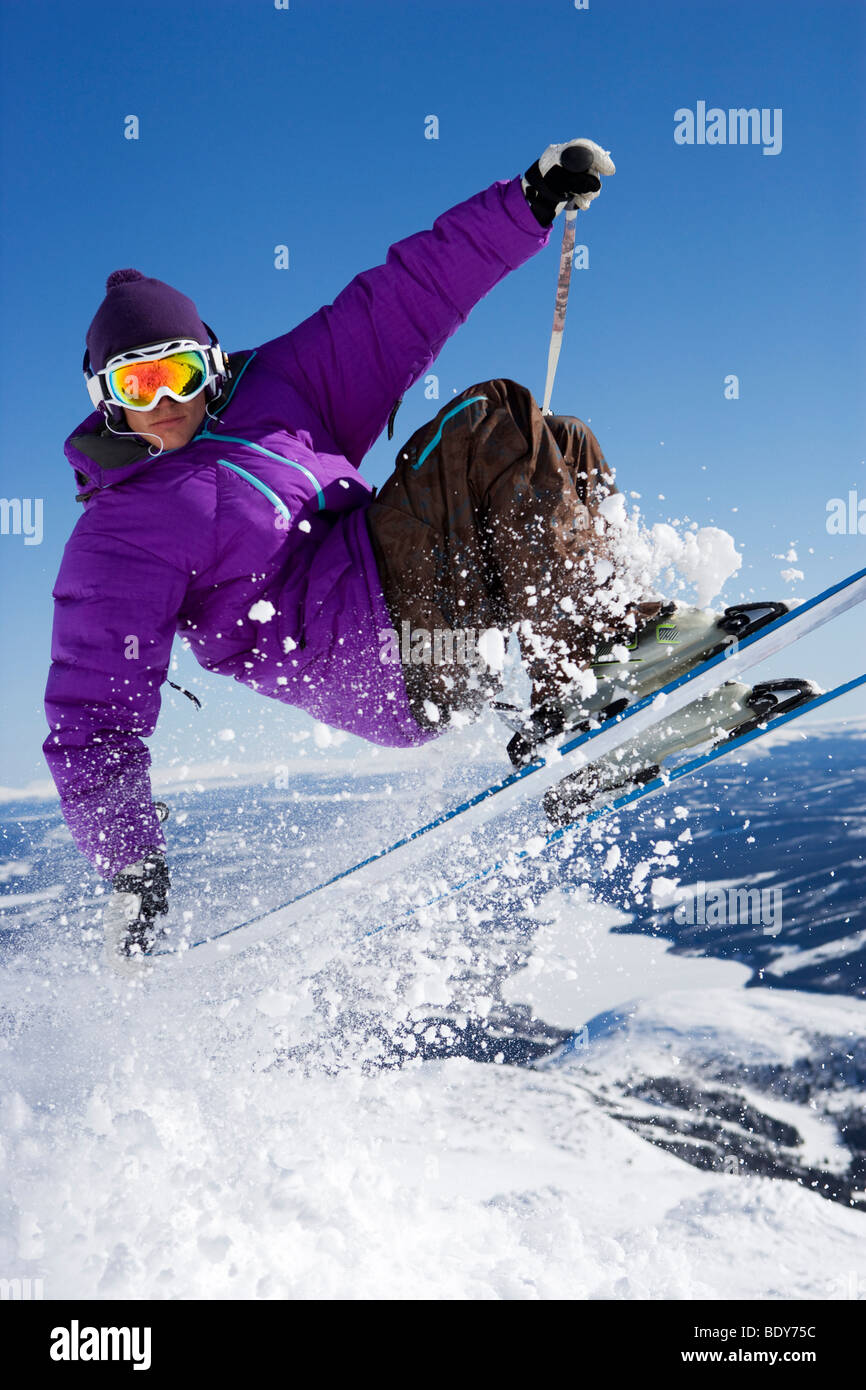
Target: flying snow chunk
point(226, 735)
point(289, 644)
point(491, 648)
point(431, 711)
point(324, 737)
point(262, 612)
point(664, 891)
point(706, 558)
point(639, 873)
point(619, 652)
point(791, 576)
point(603, 570)
point(612, 508)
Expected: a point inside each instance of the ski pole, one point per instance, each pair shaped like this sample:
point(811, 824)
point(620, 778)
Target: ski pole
point(562, 285)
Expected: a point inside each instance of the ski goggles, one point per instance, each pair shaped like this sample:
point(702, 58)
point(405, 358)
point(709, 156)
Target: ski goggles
point(138, 380)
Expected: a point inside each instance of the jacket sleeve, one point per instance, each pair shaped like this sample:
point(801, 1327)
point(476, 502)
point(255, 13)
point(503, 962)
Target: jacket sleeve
point(353, 359)
point(114, 618)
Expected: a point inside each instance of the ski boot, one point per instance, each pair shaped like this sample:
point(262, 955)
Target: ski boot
point(732, 710)
point(669, 646)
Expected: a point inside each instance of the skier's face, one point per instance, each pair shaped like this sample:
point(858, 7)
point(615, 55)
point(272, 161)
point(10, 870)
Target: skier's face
point(171, 422)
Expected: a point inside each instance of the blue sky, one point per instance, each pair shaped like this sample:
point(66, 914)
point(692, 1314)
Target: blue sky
point(306, 127)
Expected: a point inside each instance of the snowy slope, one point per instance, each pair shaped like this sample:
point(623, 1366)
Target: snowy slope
point(184, 1163)
point(279, 1125)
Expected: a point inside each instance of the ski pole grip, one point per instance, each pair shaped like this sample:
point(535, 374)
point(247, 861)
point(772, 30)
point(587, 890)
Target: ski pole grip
point(576, 159)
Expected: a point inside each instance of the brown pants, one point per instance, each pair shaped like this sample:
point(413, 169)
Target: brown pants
point(489, 521)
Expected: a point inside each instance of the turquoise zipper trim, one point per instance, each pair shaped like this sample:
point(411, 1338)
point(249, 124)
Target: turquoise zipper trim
point(269, 453)
point(262, 487)
point(205, 432)
point(438, 435)
point(237, 380)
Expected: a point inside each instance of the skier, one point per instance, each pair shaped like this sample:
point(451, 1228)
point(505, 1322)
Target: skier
point(222, 500)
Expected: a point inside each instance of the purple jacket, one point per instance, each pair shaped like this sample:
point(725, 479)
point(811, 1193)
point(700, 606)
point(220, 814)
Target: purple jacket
point(265, 507)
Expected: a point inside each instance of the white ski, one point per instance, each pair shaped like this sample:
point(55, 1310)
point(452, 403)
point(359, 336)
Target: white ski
point(570, 754)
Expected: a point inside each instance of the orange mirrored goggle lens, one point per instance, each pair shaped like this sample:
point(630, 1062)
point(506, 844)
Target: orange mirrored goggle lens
point(136, 383)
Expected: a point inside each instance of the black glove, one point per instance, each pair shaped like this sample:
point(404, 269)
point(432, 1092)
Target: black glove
point(564, 174)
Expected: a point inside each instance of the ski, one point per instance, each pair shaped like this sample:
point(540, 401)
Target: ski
point(568, 755)
point(620, 803)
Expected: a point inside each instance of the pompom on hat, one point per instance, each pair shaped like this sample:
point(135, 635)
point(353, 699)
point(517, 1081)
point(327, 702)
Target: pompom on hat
point(138, 310)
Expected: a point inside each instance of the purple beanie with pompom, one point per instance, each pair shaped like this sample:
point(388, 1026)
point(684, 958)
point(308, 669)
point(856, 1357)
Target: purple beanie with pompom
point(137, 310)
